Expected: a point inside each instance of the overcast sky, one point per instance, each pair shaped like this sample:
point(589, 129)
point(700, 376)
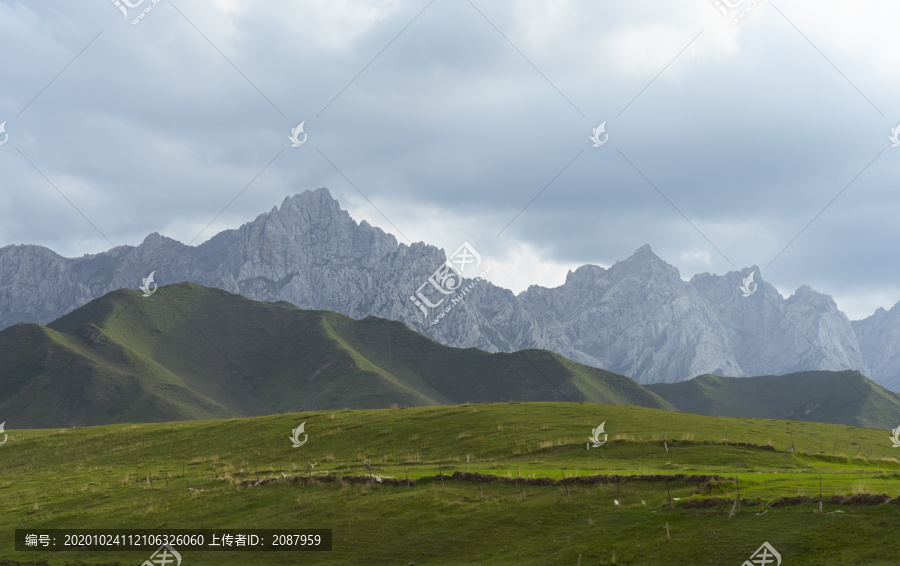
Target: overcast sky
point(762, 142)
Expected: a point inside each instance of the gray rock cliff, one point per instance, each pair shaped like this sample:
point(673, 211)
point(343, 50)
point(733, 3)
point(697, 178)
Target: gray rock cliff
point(879, 340)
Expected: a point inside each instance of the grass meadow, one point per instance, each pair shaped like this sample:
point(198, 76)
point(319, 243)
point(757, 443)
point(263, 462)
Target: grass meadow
point(201, 475)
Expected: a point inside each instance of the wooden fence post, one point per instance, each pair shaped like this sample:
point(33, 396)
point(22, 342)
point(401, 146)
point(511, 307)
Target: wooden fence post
point(820, 495)
point(521, 485)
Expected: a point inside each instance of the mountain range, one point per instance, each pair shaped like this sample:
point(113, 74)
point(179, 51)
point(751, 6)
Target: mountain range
point(637, 318)
point(190, 352)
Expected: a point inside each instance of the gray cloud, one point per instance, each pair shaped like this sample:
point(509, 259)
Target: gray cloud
point(450, 131)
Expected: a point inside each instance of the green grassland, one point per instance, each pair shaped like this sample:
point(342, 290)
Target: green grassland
point(87, 478)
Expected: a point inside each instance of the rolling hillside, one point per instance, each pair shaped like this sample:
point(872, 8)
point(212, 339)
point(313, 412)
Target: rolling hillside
point(192, 352)
point(840, 397)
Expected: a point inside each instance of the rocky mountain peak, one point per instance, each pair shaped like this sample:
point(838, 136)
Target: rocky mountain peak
point(646, 266)
point(757, 272)
point(809, 295)
point(319, 198)
point(583, 276)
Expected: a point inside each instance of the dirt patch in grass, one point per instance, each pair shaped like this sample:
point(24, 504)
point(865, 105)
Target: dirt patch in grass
point(489, 478)
point(711, 483)
point(757, 446)
point(717, 502)
point(579, 480)
point(788, 501)
point(858, 499)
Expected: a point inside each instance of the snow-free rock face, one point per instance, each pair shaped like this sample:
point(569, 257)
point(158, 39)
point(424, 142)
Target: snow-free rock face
point(879, 340)
point(773, 335)
point(638, 317)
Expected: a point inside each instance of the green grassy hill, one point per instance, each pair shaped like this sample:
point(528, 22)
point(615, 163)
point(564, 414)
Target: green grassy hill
point(89, 478)
point(841, 397)
point(191, 352)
